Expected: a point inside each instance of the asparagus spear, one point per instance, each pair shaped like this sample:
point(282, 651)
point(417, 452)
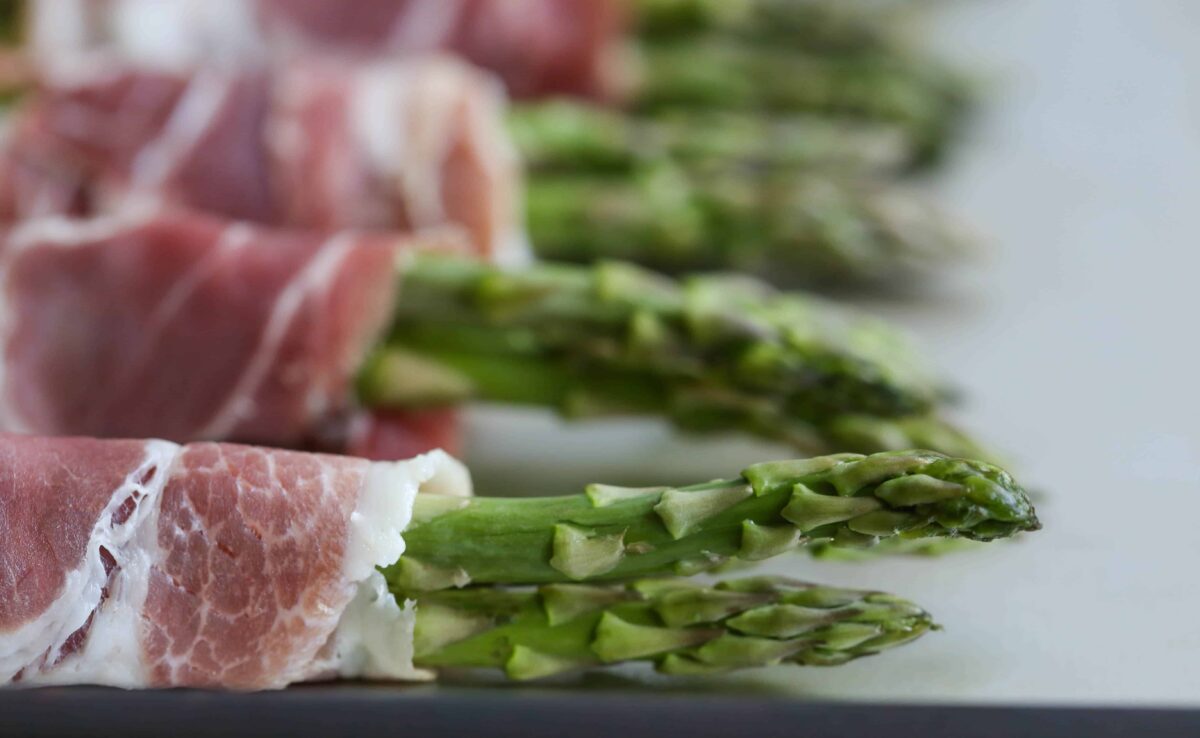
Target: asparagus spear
point(613, 533)
point(809, 227)
point(711, 352)
point(12, 13)
point(869, 434)
point(575, 137)
point(682, 627)
point(927, 548)
point(828, 26)
point(713, 73)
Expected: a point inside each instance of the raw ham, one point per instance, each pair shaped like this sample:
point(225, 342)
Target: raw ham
point(414, 145)
point(147, 564)
point(539, 47)
point(183, 326)
point(386, 435)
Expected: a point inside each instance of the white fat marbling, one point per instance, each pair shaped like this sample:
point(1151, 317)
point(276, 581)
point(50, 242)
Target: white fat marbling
point(374, 638)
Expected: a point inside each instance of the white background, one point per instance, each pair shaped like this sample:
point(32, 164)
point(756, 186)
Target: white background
point(1077, 344)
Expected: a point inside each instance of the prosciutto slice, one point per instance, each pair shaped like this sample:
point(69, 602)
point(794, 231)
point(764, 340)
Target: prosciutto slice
point(539, 47)
point(414, 145)
point(387, 435)
point(188, 327)
point(148, 564)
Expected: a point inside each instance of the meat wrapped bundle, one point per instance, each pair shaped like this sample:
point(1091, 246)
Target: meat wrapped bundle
point(148, 564)
point(538, 47)
point(274, 332)
point(414, 145)
point(188, 327)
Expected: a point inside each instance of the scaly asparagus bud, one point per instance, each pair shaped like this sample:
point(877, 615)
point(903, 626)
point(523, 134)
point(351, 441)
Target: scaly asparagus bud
point(612, 533)
point(612, 339)
point(681, 627)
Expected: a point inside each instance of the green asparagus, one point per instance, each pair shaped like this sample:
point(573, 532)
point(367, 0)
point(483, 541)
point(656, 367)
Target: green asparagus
point(682, 627)
point(828, 26)
point(927, 548)
point(11, 14)
point(869, 434)
point(809, 228)
point(577, 138)
point(711, 353)
point(714, 73)
point(611, 533)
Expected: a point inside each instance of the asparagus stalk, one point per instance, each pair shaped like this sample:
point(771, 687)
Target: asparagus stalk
point(12, 14)
point(868, 434)
point(926, 548)
point(811, 228)
point(714, 73)
point(574, 137)
point(711, 352)
point(827, 26)
point(613, 533)
point(682, 627)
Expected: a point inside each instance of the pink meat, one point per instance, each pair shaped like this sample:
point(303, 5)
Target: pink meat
point(539, 47)
point(186, 327)
point(413, 145)
point(440, 157)
point(389, 435)
point(249, 587)
point(224, 566)
point(51, 496)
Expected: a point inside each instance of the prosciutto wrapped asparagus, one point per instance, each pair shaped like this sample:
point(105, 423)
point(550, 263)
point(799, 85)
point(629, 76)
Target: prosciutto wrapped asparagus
point(421, 144)
point(538, 47)
point(413, 146)
point(148, 564)
point(270, 331)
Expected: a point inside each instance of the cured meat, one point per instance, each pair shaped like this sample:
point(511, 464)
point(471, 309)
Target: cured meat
point(187, 327)
point(148, 564)
point(539, 47)
point(413, 145)
point(388, 435)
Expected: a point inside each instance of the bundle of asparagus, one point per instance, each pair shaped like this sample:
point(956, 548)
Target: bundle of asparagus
point(915, 96)
point(756, 138)
point(832, 26)
point(712, 353)
point(566, 137)
point(233, 567)
point(818, 55)
point(808, 227)
point(683, 628)
point(464, 556)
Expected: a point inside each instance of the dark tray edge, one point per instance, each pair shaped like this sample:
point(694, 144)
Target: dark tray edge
point(423, 712)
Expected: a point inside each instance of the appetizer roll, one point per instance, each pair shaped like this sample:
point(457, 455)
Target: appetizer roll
point(148, 564)
point(413, 145)
point(188, 327)
point(177, 325)
point(539, 47)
